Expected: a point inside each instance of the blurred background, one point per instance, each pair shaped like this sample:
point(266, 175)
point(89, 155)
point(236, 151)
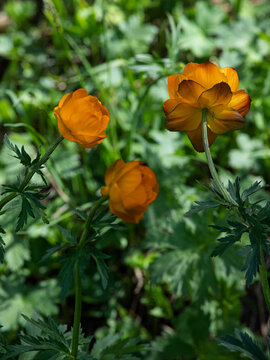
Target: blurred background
point(163, 285)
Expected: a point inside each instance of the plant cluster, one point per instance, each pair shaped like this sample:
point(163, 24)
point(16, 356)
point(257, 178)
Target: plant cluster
point(107, 231)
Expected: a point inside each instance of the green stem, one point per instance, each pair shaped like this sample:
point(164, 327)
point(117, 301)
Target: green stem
point(30, 174)
point(78, 285)
point(89, 220)
point(210, 162)
point(77, 312)
point(264, 280)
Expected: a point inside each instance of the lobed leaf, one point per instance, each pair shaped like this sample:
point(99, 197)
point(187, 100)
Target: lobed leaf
point(244, 344)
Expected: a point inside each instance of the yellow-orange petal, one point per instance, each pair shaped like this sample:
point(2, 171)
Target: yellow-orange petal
point(240, 102)
point(224, 120)
point(190, 91)
point(173, 84)
point(232, 77)
point(64, 131)
point(184, 117)
point(136, 198)
point(129, 166)
point(206, 74)
point(112, 171)
point(79, 94)
point(90, 141)
point(64, 98)
point(170, 105)
point(219, 94)
point(196, 138)
point(128, 183)
point(189, 68)
point(104, 190)
point(115, 201)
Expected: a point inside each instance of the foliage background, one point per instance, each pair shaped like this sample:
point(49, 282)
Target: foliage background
point(163, 286)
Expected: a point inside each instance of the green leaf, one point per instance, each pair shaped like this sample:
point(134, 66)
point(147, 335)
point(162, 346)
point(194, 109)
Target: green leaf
point(233, 234)
point(203, 205)
point(251, 190)
point(234, 190)
point(102, 268)
point(68, 236)
point(66, 274)
point(26, 209)
point(18, 296)
point(253, 260)
point(2, 249)
point(243, 343)
point(49, 328)
point(114, 347)
point(52, 251)
point(22, 155)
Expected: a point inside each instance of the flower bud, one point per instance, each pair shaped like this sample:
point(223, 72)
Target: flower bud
point(82, 118)
point(131, 187)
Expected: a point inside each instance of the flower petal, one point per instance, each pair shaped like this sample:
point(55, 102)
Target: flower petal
point(115, 202)
point(224, 120)
point(189, 68)
point(63, 99)
point(112, 171)
point(205, 74)
point(173, 85)
point(240, 102)
point(184, 117)
point(129, 166)
point(219, 94)
point(232, 77)
point(128, 183)
point(64, 131)
point(79, 94)
point(190, 90)
point(196, 138)
point(170, 105)
point(136, 198)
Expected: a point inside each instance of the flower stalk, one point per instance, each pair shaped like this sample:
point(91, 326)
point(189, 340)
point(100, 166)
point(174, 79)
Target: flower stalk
point(31, 173)
point(264, 280)
point(77, 312)
point(78, 283)
point(210, 162)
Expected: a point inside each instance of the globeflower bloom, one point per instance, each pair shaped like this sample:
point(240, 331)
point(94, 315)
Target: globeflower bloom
point(205, 86)
point(131, 187)
point(82, 118)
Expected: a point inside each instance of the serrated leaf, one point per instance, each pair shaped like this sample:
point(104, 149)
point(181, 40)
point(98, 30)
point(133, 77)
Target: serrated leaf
point(243, 343)
point(52, 251)
point(115, 347)
point(226, 242)
point(102, 267)
point(68, 236)
point(26, 209)
point(47, 355)
point(49, 341)
point(22, 155)
point(233, 235)
point(66, 275)
point(234, 190)
point(49, 328)
point(2, 249)
point(251, 190)
point(251, 264)
point(202, 205)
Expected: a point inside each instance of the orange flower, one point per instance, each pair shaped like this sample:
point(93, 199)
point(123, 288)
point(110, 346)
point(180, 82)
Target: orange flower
point(131, 187)
point(81, 118)
point(205, 86)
